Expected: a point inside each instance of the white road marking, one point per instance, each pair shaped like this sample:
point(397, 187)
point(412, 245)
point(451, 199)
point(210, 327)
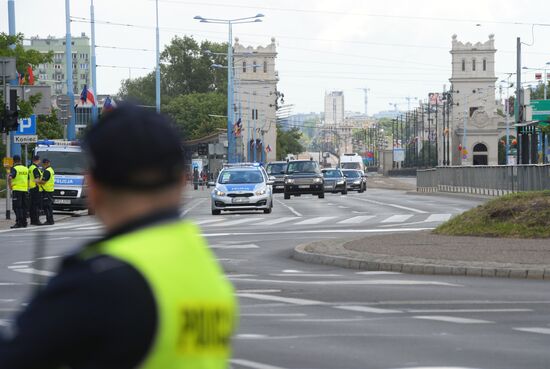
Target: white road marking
point(452, 319)
point(438, 367)
point(381, 282)
point(276, 221)
point(253, 364)
point(235, 222)
point(368, 309)
point(91, 228)
point(469, 310)
point(44, 273)
point(539, 330)
point(17, 266)
point(288, 300)
point(315, 220)
point(292, 271)
point(239, 275)
point(438, 218)
point(258, 291)
point(289, 208)
point(329, 320)
point(184, 213)
point(22, 262)
point(377, 273)
point(244, 246)
point(250, 336)
point(207, 221)
point(306, 275)
point(50, 257)
point(385, 230)
point(275, 315)
point(392, 205)
point(357, 219)
point(397, 218)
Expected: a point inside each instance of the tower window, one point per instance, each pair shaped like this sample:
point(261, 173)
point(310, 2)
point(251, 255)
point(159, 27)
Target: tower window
point(254, 66)
point(244, 67)
point(473, 65)
point(484, 64)
point(265, 66)
point(463, 65)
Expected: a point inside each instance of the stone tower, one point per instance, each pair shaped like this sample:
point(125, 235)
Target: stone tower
point(474, 119)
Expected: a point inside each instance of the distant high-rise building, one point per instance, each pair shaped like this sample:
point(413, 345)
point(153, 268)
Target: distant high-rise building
point(334, 108)
point(54, 74)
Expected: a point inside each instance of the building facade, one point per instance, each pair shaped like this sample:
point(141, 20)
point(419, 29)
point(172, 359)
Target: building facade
point(334, 108)
point(54, 74)
point(474, 120)
point(255, 101)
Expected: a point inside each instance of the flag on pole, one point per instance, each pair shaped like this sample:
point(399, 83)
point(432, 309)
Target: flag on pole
point(268, 149)
point(237, 128)
point(108, 104)
point(87, 96)
point(30, 75)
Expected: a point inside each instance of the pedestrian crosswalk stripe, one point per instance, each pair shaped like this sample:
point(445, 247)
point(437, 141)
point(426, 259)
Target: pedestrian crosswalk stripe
point(277, 220)
point(206, 221)
point(244, 246)
point(235, 222)
point(357, 219)
point(315, 220)
point(397, 218)
point(540, 330)
point(89, 228)
point(438, 218)
point(452, 319)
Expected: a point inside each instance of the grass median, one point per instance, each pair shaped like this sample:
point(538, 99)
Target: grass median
point(520, 215)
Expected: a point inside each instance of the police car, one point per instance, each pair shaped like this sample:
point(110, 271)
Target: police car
point(244, 186)
point(68, 162)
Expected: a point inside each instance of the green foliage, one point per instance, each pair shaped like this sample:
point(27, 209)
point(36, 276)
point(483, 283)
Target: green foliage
point(185, 69)
point(48, 126)
point(24, 57)
point(191, 113)
point(520, 215)
point(288, 142)
point(537, 92)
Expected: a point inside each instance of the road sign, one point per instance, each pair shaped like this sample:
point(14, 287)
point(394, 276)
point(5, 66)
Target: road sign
point(25, 139)
point(7, 162)
point(7, 68)
point(398, 154)
point(27, 126)
point(541, 109)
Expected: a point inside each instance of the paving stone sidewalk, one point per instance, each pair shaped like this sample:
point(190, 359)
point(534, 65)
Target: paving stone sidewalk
point(426, 253)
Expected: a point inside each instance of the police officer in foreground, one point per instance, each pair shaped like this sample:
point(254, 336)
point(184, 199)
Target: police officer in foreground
point(18, 181)
point(47, 184)
point(35, 191)
point(149, 294)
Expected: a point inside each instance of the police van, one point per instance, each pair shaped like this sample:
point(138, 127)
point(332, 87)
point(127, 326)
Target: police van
point(69, 164)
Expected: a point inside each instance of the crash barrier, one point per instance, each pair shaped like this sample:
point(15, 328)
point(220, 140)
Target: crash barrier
point(489, 180)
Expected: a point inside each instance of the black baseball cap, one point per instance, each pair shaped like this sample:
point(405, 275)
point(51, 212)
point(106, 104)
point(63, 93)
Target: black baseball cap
point(16, 158)
point(35, 157)
point(45, 160)
point(133, 148)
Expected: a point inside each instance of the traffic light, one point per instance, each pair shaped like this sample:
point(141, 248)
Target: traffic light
point(202, 149)
point(10, 120)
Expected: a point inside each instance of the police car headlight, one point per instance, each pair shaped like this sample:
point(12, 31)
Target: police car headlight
point(317, 180)
point(261, 192)
point(340, 182)
point(218, 192)
point(289, 180)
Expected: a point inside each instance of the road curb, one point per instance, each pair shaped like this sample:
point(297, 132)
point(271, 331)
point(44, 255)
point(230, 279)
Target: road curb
point(456, 195)
point(376, 263)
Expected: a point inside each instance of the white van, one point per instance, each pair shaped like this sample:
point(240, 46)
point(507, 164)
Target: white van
point(69, 164)
point(352, 161)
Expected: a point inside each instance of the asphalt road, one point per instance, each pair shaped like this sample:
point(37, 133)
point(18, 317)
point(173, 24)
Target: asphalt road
point(296, 315)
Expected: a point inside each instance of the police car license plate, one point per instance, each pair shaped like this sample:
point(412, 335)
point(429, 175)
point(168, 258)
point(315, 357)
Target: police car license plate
point(62, 201)
point(303, 186)
point(240, 200)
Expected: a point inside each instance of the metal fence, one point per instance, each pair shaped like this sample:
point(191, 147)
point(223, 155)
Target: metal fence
point(484, 180)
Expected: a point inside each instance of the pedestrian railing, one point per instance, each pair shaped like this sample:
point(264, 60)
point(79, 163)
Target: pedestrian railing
point(484, 179)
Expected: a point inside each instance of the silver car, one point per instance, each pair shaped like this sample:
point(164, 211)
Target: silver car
point(242, 188)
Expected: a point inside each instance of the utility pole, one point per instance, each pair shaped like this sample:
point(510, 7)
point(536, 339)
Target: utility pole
point(93, 62)
point(71, 130)
point(517, 102)
point(157, 72)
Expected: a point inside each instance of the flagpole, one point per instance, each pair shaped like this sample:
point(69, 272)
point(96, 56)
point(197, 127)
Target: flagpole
point(157, 74)
point(71, 131)
point(93, 62)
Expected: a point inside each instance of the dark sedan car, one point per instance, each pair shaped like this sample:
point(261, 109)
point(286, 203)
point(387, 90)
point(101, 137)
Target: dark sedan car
point(277, 169)
point(303, 177)
point(356, 179)
point(335, 181)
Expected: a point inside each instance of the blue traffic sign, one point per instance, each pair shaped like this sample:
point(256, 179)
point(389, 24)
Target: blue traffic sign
point(27, 126)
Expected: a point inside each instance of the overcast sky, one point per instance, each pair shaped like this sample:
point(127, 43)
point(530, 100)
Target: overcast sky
point(397, 48)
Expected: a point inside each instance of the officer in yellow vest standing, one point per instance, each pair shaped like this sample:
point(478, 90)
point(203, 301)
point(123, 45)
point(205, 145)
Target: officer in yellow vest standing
point(19, 184)
point(35, 191)
point(150, 293)
point(47, 184)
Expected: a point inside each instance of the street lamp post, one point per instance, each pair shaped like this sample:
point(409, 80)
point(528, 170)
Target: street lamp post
point(231, 142)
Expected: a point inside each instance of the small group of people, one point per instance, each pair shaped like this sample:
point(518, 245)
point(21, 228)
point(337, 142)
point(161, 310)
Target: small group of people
point(32, 191)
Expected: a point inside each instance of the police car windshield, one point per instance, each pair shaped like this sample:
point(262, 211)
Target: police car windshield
point(303, 167)
point(276, 168)
point(65, 162)
point(241, 176)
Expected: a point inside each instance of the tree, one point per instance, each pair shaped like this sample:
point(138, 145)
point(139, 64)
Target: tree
point(288, 142)
point(192, 112)
point(186, 68)
point(48, 126)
